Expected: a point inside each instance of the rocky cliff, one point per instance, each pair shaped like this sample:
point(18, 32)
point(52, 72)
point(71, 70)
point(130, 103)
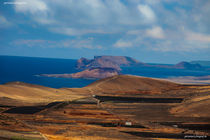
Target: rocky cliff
point(107, 62)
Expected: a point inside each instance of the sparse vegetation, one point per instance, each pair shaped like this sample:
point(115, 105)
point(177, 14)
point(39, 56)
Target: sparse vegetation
point(19, 138)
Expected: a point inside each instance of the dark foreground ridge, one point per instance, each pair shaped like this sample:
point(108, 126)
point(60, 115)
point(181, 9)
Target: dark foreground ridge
point(189, 126)
point(138, 99)
point(29, 109)
point(167, 135)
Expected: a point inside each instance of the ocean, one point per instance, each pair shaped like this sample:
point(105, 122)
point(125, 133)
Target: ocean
point(26, 69)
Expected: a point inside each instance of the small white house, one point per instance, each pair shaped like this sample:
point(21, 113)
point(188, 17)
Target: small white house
point(128, 123)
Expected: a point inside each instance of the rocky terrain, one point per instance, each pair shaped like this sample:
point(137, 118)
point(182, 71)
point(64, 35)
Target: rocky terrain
point(107, 62)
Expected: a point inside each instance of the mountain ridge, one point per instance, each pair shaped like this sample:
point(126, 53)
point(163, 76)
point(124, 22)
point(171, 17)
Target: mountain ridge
point(106, 61)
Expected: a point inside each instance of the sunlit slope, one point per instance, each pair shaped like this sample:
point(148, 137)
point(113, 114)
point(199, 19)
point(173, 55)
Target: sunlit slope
point(129, 83)
point(18, 93)
point(196, 106)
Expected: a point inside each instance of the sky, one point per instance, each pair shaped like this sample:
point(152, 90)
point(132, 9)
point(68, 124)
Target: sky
point(152, 31)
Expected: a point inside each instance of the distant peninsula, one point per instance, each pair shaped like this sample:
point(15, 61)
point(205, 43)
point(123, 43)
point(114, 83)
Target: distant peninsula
point(91, 73)
point(99, 67)
point(106, 66)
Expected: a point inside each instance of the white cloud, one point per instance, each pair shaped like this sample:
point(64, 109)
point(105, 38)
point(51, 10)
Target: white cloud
point(138, 21)
point(76, 32)
point(102, 16)
point(123, 44)
point(33, 43)
point(147, 12)
point(169, 41)
point(193, 36)
point(134, 32)
point(31, 6)
point(68, 43)
point(78, 43)
point(178, 46)
point(155, 32)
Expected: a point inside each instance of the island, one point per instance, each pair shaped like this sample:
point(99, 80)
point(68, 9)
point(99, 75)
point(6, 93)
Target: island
point(91, 73)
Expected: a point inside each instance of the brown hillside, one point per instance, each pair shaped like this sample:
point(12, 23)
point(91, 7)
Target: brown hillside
point(129, 83)
point(197, 106)
point(18, 93)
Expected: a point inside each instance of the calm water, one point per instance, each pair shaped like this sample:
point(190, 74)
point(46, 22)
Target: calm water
point(24, 69)
point(162, 72)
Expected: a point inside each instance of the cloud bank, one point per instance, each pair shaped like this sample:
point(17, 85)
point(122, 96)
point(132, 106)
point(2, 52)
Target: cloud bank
point(158, 25)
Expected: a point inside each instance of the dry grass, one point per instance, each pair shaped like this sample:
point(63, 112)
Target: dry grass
point(59, 137)
point(197, 106)
point(128, 83)
point(27, 94)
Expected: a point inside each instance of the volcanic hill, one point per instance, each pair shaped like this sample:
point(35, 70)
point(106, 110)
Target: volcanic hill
point(130, 83)
point(107, 61)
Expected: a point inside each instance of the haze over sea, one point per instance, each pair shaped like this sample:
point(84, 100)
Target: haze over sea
point(26, 69)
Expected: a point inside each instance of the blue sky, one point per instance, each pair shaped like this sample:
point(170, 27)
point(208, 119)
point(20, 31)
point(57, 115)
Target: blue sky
point(156, 31)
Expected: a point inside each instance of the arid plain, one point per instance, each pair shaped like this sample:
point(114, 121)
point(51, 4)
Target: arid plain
point(118, 107)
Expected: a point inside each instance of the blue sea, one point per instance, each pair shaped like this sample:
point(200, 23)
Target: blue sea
point(25, 69)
